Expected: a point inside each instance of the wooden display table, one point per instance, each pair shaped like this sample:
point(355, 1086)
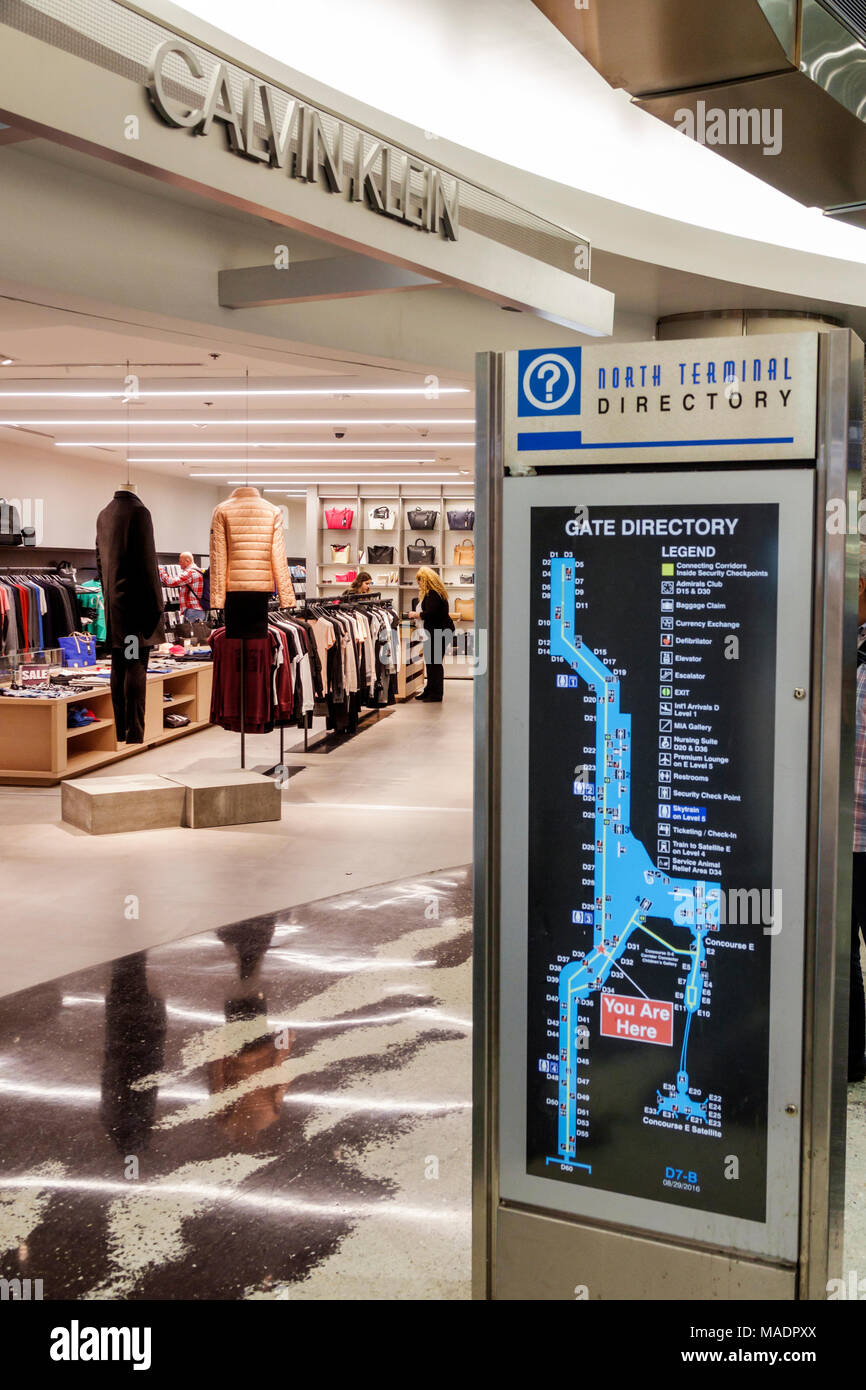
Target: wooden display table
point(38, 750)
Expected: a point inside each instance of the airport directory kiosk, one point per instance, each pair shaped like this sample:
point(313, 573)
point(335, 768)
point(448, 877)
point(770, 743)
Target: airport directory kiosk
point(668, 554)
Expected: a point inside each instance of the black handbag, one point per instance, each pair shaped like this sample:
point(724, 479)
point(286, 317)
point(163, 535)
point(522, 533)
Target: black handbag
point(462, 520)
point(379, 555)
point(11, 530)
point(419, 520)
point(420, 553)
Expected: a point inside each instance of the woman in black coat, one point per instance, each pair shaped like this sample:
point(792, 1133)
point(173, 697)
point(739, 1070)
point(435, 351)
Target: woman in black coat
point(438, 631)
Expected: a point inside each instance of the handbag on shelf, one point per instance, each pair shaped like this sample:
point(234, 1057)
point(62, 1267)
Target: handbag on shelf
point(339, 518)
point(464, 610)
point(464, 553)
point(463, 520)
point(378, 555)
point(10, 524)
point(78, 649)
point(348, 578)
point(339, 555)
point(467, 578)
point(421, 520)
point(420, 553)
point(381, 518)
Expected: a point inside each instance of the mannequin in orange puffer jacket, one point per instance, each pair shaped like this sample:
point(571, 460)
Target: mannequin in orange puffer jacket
point(247, 549)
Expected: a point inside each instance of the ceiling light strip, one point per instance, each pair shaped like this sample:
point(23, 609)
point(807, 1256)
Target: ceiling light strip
point(186, 445)
point(210, 393)
point(333, 478)
point(264, 422)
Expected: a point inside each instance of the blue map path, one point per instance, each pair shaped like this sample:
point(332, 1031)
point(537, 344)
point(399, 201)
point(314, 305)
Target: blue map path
point(628, 888)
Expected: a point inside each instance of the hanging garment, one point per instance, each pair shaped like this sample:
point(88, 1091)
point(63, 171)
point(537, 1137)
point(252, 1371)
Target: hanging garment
point(37, 608)
point(91, 600)
point(267, 676)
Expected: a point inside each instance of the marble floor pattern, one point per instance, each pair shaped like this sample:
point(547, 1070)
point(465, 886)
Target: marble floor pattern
point(276, 1109)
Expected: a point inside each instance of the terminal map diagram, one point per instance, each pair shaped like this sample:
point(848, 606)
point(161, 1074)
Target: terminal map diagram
point(628, 886)
point(651, 757)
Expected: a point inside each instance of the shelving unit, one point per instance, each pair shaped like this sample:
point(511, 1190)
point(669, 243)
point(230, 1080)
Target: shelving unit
point(37, 748)
point(398, 579)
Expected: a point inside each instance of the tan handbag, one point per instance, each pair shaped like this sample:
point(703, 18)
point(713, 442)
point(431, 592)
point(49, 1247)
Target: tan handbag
point(464, 610)
point(339, 555)
point(464, 553)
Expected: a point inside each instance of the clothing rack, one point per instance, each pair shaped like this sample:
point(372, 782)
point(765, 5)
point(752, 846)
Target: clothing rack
point(34, 569)
point(309, 609)
point(22, 655)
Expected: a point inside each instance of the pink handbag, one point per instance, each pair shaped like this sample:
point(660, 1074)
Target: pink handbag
point(339, 518)
point(348, 578)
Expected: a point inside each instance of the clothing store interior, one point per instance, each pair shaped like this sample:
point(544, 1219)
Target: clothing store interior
point(235, 743)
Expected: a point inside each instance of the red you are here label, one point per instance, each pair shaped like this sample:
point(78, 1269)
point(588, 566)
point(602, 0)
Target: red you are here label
point(643, 1020)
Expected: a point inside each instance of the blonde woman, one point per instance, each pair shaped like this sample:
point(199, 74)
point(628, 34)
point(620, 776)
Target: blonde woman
point(433, 615)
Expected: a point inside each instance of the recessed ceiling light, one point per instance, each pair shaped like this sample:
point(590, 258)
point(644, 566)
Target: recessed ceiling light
point(6, 361)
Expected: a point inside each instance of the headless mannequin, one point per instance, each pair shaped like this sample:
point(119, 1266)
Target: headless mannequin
point(127, 566)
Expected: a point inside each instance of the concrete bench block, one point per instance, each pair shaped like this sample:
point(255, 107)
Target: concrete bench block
point(111, 805)
point(228, 798)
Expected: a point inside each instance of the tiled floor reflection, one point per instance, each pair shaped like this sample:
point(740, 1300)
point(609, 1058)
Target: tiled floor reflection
point(278, 1109)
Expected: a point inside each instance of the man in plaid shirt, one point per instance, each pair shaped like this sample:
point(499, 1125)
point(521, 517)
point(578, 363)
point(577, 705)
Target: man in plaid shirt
point(857, 1010)
point(190, 582)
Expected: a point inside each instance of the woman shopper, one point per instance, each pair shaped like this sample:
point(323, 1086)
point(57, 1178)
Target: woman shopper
point(360, 585)
point(433, 614)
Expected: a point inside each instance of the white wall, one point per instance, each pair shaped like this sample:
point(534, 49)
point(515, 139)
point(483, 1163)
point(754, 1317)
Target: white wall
point(296, 535)
point(71, 494)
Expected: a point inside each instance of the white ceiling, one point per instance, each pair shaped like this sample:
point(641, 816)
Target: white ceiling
point(496, 76)
point(410, 430)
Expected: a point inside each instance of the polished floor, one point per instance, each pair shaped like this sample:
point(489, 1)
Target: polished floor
point(252, 1079)
point(276, 1109)
point(395, 800)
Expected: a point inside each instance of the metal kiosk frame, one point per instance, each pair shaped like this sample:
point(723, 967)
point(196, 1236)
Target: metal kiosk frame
point(539, 1248)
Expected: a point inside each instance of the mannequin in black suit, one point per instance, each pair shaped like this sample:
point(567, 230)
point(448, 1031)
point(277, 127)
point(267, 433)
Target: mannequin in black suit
point(129, 574)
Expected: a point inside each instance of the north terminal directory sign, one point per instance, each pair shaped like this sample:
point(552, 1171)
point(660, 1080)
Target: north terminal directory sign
point(653, 714)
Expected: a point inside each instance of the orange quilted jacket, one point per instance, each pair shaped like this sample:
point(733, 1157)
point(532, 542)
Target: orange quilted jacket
point(248, 549)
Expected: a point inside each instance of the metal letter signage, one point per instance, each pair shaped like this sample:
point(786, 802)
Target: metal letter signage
point(386, 179)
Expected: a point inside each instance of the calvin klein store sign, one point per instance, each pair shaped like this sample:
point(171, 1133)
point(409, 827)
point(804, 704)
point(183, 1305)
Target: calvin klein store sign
point(386, 179)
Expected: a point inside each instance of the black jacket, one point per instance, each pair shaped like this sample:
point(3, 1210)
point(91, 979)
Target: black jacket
point(434, 613)
point(128, 570)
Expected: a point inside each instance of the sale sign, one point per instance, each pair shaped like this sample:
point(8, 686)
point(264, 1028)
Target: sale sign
point(34, 675)
point(638, 1018)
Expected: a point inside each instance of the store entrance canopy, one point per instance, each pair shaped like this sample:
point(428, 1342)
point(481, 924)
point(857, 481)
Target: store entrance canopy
point(112, 83)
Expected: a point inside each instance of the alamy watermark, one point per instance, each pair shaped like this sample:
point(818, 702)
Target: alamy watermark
point(736, 126)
